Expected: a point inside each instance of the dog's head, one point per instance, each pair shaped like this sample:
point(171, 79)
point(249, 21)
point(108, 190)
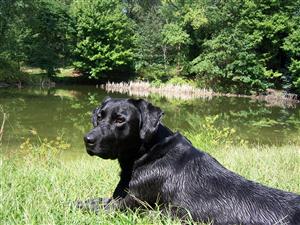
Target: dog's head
point(121, 125)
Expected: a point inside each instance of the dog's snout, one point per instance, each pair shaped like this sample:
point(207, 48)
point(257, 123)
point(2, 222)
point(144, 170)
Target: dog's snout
point(90, 139)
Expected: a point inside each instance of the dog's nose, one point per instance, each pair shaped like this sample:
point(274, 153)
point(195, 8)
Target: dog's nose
point(90, 139)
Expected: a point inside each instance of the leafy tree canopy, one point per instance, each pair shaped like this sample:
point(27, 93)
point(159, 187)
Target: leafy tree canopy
point(239, 46)
point(104, 36)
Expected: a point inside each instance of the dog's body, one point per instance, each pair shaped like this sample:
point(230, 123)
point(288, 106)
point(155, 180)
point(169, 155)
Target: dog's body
point(162, 167)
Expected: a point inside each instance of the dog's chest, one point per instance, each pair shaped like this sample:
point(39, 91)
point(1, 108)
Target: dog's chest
point(148, 181)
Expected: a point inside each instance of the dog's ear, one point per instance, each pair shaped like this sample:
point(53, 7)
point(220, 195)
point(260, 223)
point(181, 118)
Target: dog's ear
point(105, 99)
point(96, 111)
point(150, 118)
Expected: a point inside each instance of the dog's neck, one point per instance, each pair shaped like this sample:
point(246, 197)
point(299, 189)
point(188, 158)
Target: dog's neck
point(161, 133)
point(127, 161)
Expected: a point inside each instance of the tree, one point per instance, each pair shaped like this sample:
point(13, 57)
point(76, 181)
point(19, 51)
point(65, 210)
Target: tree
point(245, 52)
point(164, 36)
point(292, 46)
point(104, 37)
point(35, 33)
point(46, 42)
point(12, 28)
point(150, 52)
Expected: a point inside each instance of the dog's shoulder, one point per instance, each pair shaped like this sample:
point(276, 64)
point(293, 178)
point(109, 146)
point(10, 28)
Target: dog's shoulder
point(174, 147)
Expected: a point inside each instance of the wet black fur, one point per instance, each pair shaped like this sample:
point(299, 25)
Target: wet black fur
point(162, 167)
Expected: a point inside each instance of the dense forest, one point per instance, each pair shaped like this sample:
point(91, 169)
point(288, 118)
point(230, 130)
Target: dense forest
point(238, 46)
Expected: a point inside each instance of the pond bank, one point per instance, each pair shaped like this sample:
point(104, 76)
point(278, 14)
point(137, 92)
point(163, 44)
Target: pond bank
point(187, 92)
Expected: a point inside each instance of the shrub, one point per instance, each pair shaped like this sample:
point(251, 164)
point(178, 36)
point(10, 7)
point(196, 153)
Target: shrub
point(9, 72)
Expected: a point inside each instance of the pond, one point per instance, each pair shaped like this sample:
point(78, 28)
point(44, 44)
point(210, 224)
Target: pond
point(65, 111)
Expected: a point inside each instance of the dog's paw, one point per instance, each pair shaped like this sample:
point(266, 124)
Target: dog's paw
point(93, 205)
point(112, 205)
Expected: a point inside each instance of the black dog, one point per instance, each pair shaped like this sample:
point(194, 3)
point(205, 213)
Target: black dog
point(162, 167)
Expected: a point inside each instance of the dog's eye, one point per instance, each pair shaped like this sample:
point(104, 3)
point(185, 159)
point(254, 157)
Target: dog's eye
point(120, 119)
point(101, 115)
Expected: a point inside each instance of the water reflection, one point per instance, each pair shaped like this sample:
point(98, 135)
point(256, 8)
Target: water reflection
point(66, 111)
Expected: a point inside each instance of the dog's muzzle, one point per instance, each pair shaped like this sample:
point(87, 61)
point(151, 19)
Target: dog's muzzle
point(90, 143)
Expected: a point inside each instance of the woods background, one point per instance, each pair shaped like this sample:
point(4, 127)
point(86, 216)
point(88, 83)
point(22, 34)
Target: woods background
point(236, 46)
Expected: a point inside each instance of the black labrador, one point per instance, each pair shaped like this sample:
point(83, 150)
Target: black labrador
point(162, 167)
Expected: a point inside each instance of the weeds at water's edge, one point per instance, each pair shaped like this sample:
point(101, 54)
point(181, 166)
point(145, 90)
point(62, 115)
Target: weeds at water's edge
point(4, 118)
point(43, 150)
point(186, 92)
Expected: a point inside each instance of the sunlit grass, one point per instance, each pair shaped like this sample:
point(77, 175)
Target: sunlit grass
point(61, 72)
point(66, 72)
point(42, 193)
point(32, 70)
point(40, 190)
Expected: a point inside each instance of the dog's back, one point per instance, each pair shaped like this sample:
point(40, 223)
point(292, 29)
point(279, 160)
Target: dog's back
point(190, 180)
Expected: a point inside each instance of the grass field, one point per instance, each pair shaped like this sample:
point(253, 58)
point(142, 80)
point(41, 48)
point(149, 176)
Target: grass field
point(40, 189)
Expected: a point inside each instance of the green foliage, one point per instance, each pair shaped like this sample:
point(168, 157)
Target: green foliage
point(155, 73)
point(12, 24)
point(45, 150)
point(174, 35)
point(209, 136)
point(292, 46)
point(229, 64)
point(150, 49)
point(163, 38)
point(175, 39)
point(9, 72)
point(104, 37)
point(231, 46)
point(180, 81)
point(46, 40)
point(246, 54)
point(35, 33)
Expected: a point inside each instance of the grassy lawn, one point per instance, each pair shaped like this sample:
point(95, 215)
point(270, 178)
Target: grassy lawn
point(39, 190)
point(62, 72)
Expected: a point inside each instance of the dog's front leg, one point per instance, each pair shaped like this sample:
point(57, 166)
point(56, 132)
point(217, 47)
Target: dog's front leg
point(120, 191)
point(122, 187)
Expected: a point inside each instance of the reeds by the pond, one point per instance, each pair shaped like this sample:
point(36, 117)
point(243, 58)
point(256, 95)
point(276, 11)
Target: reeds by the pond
point(187, 92)
point(4, 117)
point(278, 98)
point(144, 89)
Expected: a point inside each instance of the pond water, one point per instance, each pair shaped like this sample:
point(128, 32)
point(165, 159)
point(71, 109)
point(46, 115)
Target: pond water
point(65, 111)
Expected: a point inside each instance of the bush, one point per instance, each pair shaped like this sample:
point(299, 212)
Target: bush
point(9, 72)
point(104, 37)
point(292, 46)
point(156, 74)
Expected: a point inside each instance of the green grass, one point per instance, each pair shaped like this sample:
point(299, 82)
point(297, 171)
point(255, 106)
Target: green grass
point(42, 193)
point(65, 72)
point(62, 72)
point(39, 190)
